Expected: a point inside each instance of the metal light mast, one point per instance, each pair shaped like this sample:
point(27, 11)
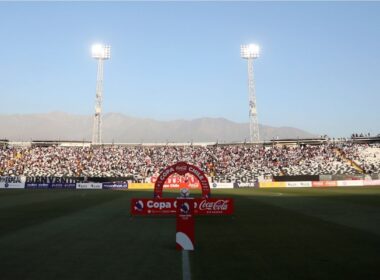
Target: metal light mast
point(250, 52)
point(100, 53)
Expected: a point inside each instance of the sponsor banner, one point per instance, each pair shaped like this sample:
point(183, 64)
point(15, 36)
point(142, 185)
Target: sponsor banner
point(246, 185)
point(89, 186)
point(216, 185)
point(140, 186)
point(176, 181)
point(182, 169)
point(50, 183)
point(168, 206)
point(115, 185)
point(15, 182)
point(272, 184)
point(350, 183)
point(6, 185)
point(37, 185)
point(153, 206)
point(214, 206)
point(324, 184)
point(12, 179)
point(63, 185)
point(51, 180)
point(371, 183)
point(303, 184)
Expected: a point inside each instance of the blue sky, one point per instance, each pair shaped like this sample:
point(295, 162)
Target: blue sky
point(319, 68)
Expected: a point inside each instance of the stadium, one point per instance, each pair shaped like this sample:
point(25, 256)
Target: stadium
point(303, 209)
point(255, 208)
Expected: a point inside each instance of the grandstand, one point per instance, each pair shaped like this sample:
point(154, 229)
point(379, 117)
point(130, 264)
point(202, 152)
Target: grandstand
point(287, 157)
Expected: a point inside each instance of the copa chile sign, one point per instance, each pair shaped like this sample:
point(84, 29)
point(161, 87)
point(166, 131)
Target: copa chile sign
point(183, 208)
point(168, 206)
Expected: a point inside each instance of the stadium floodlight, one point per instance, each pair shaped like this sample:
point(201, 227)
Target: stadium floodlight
point(250, 52)
point(100, 53)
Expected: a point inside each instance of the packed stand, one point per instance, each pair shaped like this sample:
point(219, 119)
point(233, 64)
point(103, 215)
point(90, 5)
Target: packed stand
point(367, 156)
point(315, 160)
point(232, 161)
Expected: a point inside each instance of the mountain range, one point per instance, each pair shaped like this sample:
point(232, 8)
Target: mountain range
point(119, 128)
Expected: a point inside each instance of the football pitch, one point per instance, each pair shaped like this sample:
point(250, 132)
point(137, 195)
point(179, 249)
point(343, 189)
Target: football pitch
point(327, 233)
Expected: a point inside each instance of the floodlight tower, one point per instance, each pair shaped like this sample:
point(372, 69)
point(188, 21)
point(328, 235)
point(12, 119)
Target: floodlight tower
point(250, 52)
point(100, 53)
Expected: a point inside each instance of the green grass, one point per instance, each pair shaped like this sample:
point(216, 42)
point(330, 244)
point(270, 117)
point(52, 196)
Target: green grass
point(275, 234)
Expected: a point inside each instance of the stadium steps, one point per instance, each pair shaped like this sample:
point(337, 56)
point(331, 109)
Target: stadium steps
point(349, 161)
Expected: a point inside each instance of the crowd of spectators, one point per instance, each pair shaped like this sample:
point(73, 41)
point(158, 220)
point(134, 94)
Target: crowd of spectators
point(360, 135)
point(367, 156)
point(216, 160)
point(316, 160)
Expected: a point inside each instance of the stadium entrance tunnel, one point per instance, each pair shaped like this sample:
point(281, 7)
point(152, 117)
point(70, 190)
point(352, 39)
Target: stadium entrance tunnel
point(182, 168)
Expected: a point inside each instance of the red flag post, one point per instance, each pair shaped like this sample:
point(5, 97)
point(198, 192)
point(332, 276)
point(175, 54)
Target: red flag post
point(185, 224)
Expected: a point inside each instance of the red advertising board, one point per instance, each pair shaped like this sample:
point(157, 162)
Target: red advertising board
point(324, 184)
point(168, 206)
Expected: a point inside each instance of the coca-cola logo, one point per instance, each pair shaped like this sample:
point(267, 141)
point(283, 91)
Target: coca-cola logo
point(218, 205)
point(181, 168)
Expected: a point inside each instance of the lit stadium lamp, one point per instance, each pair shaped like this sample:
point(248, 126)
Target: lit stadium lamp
point(100, 53)
point(250, 51)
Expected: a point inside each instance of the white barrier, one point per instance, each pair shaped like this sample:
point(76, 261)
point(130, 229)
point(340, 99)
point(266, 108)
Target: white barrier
point(350, 183)
point(371, 183)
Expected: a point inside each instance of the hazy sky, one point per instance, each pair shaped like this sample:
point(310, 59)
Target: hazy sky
point(319, 68)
